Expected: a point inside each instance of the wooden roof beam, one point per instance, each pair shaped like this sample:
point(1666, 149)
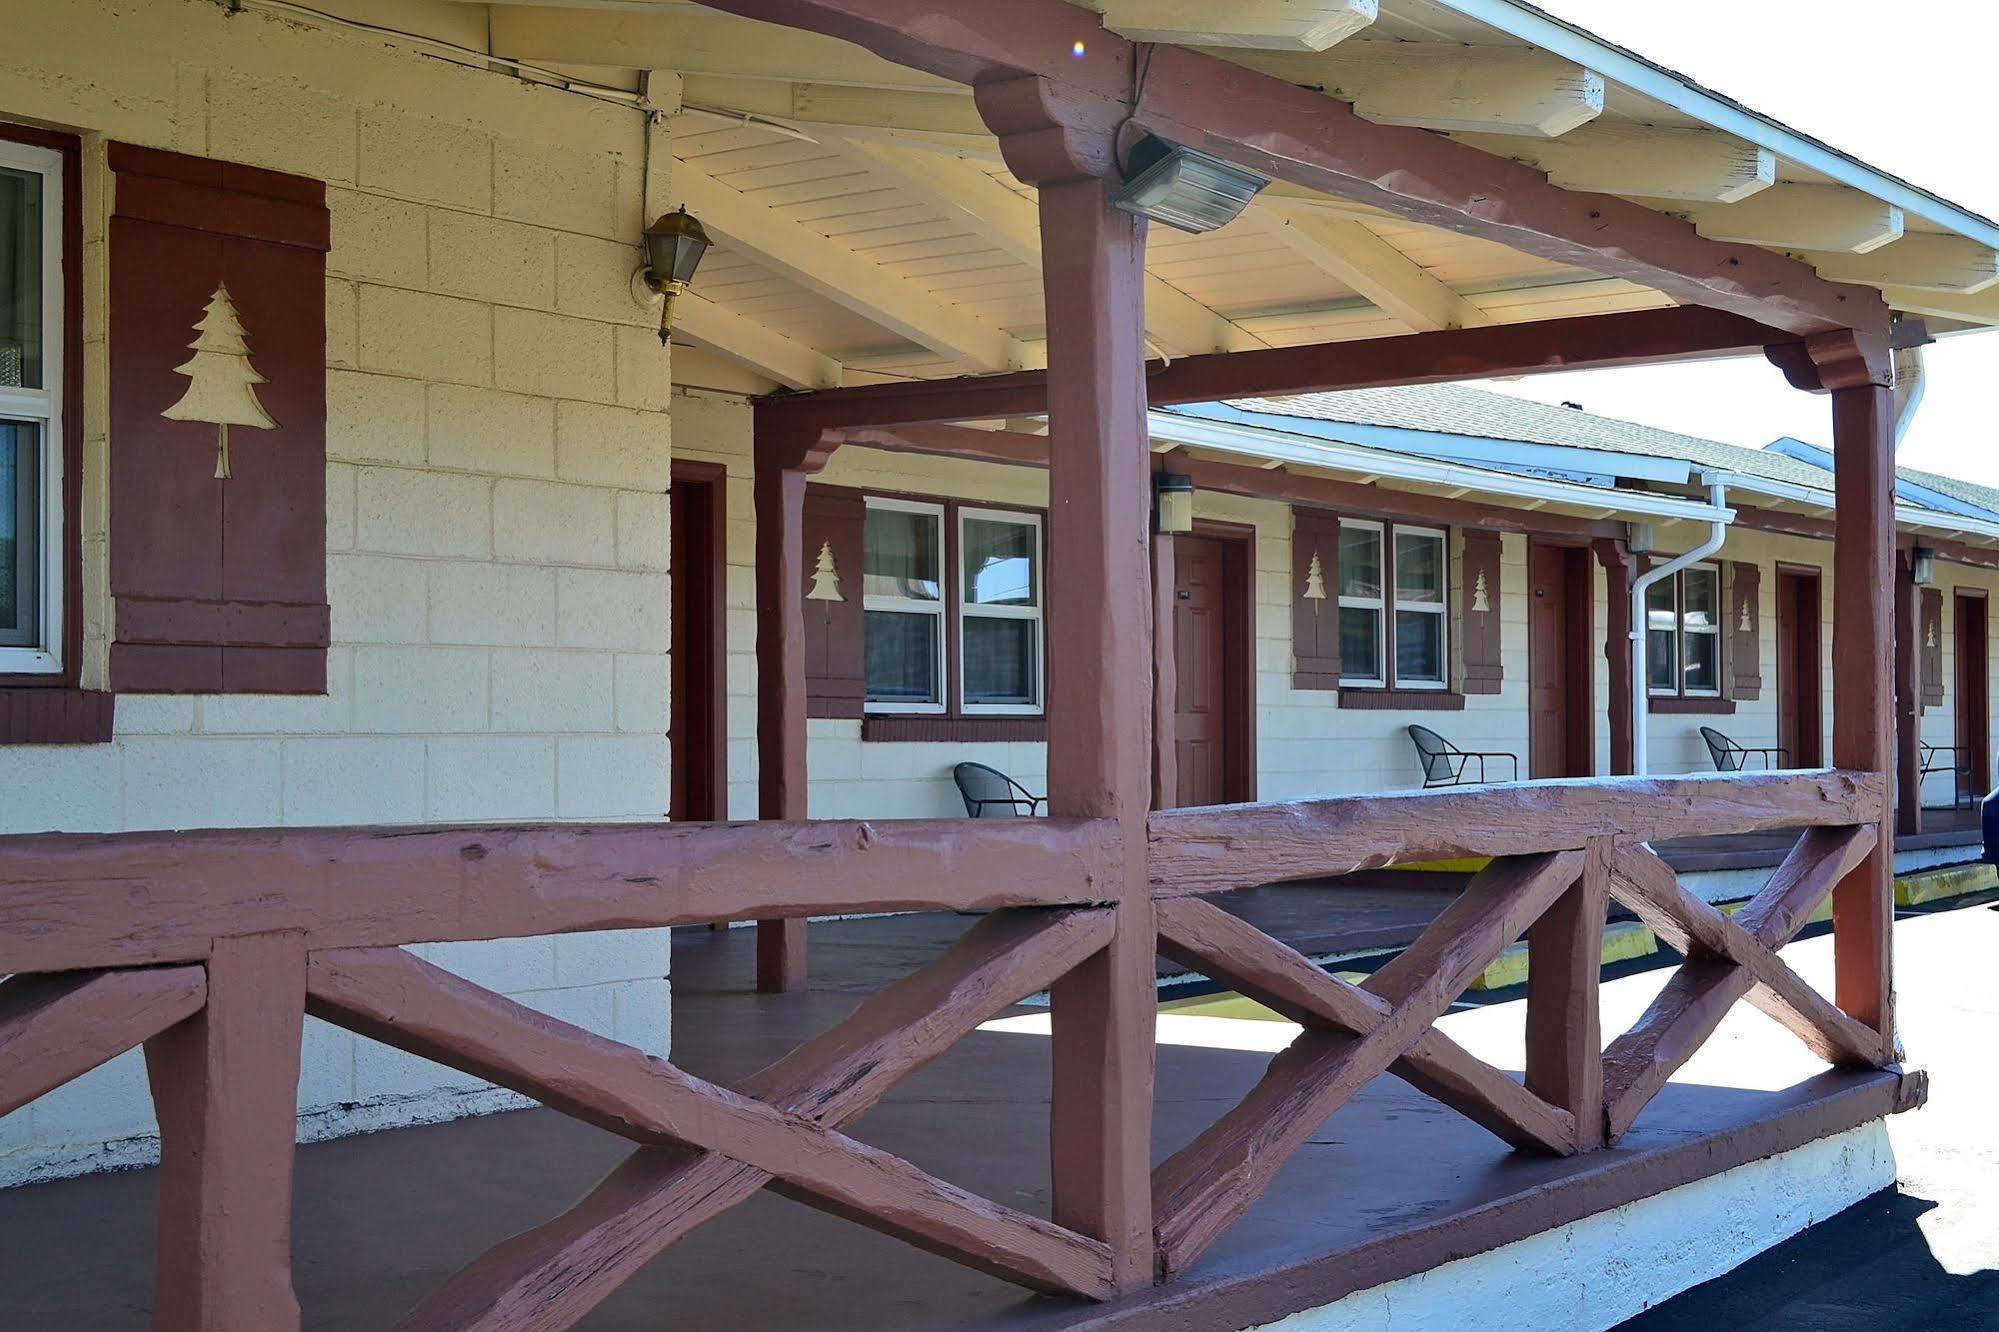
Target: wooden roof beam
point(1803, 217)
point(1442, 86)
point(1354, 254)
point(753, 345)
point(885, 109)
point(1700, 166)
point(1273, 25)
point(829, 269)
point(1295, 134)
point(1926, 261)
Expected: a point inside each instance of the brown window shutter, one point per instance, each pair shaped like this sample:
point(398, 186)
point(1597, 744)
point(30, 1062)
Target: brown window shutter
point(835, 628)
point(1932, 647)
point(1478, 595)
point(1744, 609)
point(219, 585)
point(1315, 599)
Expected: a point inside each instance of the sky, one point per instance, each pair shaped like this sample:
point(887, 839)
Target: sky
point(1905, 88)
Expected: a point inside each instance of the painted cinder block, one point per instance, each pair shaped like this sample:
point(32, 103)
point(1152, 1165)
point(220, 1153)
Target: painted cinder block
point(553, 692)
point(505, 966)
point(485, 430)
point(552, 355)
point(341, 332)
point(418, 157)
point(611, 609)
point(486, 778)
point(603, 445)
point(641, 688)
point(491, 259)
point(644, 373)
point(287, 714)
point(566, 188)
point(374, 418)
point(645, 533)
point(425, 336)
point(593, 280)
point(153, 714)
point(424, 690)
point(377, 598)
point(377, 239)
point(344, 780)
point(282, 124)
point(603, 956)
point(401, 511)
point(549, 523)
point(200, 782)
point(611, 777)
point(60, 788)
point(642, 1015)
point(499, 605)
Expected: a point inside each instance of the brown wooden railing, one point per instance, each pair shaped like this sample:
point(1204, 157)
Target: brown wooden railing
point(209, 948)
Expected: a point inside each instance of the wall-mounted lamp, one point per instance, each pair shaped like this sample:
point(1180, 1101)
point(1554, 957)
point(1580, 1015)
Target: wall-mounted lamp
point(1185, 189)
point(1173, 503)
point(1640, 537)
point(1923, 566)
point(674, 246)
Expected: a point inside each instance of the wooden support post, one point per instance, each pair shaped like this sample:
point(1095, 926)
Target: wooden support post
point(1564, 1025)
point(783, 462)
point(1618, 575)
point(225, 1088)
point(1100, 654)
point(1165, 699)
point(1908, 698)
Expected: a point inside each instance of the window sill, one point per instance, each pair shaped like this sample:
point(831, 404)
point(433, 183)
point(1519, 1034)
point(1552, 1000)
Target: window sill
point(1677, 706)
point(1401, 700)
point(931, 727)
point(61, 716)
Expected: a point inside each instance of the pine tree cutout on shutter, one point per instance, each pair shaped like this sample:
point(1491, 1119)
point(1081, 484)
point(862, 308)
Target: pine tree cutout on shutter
point(222, 382)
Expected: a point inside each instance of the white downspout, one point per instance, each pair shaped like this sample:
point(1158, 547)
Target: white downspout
point(1640, 674)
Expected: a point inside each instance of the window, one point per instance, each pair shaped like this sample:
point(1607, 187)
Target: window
point(953, 598)
point(31, 516)
point(1683, 634)
point(1394, 630)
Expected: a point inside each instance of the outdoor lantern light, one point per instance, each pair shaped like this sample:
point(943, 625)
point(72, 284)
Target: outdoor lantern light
point(1638, 536)
point(1174, 495)
point(1184, 189)
point(1923, 566)
point(674, 246)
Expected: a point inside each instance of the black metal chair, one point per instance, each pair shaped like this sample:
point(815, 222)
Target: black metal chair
point(991, 794)
point(1444, 764)
point(1730, 757)
point(1933, 761)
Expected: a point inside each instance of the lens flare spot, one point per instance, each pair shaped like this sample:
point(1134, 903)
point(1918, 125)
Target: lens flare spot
point(1077, 50)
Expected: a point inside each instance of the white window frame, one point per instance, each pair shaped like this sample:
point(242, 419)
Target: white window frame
point(1441, 608)
point(936, 610)
point(1681, 630)
point(967, 610)
point(42, 408)
point(1377, 604)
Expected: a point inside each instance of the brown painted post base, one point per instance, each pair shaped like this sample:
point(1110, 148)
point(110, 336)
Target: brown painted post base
point(1618, 575)
point(1564, 972)
point(225, 1088)
point(1908, 699)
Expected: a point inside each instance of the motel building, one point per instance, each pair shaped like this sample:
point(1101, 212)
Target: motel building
point(490, 489)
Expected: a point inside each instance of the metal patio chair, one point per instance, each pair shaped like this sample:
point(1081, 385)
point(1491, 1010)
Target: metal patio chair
point(991, 794)
point(1730, 757)
point(1444, 764)
point(1934, 761)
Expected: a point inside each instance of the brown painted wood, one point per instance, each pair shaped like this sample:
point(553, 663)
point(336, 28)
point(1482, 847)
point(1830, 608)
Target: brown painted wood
point(699, 702)
point(1201, 1190)
point(1165, 679)
point(1217, 850)
point(55, 1028)
point(1213, 667)
point(1011, 447)
point(1228, 949)
point(33, 716)
point(225, 1089)
point(836, 674)
point(1931, 625)
point(392, 996)
point(1863, 644)
point(1480, 614)
point(1561, 694)
point(1315, 621)
point(1973, 713)
point(128, 899)
point(1800, 667)
point(781, 682)
point(1908, 699)
point(1619, 572)
point(549, 1277)
point(1564, 974)
point(1638, 337)
point(1744, 620)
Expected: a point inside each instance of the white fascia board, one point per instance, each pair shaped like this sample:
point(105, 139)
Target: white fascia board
point(1563, 461)
point(1906, 515)
point(1618, 65)
point(1270, 445)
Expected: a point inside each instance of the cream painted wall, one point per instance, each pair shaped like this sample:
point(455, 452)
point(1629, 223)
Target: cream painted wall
point(497, 518)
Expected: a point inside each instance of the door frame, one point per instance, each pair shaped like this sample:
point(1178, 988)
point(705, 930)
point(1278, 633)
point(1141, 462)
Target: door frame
point(1788, 575)
point(1980, 759)
point(700, 772)
point(1238, 543)
point(1579, 590)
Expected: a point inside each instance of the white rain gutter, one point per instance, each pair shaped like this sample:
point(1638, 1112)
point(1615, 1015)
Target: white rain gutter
point(1641, 680)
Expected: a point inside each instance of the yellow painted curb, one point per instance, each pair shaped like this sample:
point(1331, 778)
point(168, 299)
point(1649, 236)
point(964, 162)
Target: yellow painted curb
point(1238, 1006)
point(1463, 865)
point(1621, 942)
point(1938, 884)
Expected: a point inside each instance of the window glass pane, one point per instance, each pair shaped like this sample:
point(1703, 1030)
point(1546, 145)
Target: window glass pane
point(1702, 593)
point(902, 657)
point(20, 565)
point(1419, 648)
point(1660, 668)
point(1703, 663)
point(1360, 643)
point(901, 555)
point(999, 564)
point(1000, 661)
point(1360, 562)
point(20, 279)
point(1659, 608)
point(1419, 568)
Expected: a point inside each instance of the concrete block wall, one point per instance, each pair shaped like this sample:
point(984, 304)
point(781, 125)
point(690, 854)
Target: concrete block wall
point(498, 455)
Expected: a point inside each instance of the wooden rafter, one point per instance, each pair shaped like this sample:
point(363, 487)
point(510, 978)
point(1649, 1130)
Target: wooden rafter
point(1696, 165)
point(1276, 25)
point(1949, 264)
point(753, 345)
point(56, 1028)
point(1390, 279)
point(1803, 217)
point(1439, 86)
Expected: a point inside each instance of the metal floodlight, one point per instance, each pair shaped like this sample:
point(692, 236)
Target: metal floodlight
point(674, 246)
point(1923, 566)
point(1187, 190)
point(1639, 537)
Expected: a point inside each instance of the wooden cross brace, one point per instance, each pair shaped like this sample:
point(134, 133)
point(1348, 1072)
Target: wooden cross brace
point(1728, 959)
point(709, 1148)
point(1354, 1035)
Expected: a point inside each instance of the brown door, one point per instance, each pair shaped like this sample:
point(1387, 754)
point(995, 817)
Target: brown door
point(699, 705)
point(1213, 716)
point(1974, 709)
point(1800, 671)
point(1561, 739)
